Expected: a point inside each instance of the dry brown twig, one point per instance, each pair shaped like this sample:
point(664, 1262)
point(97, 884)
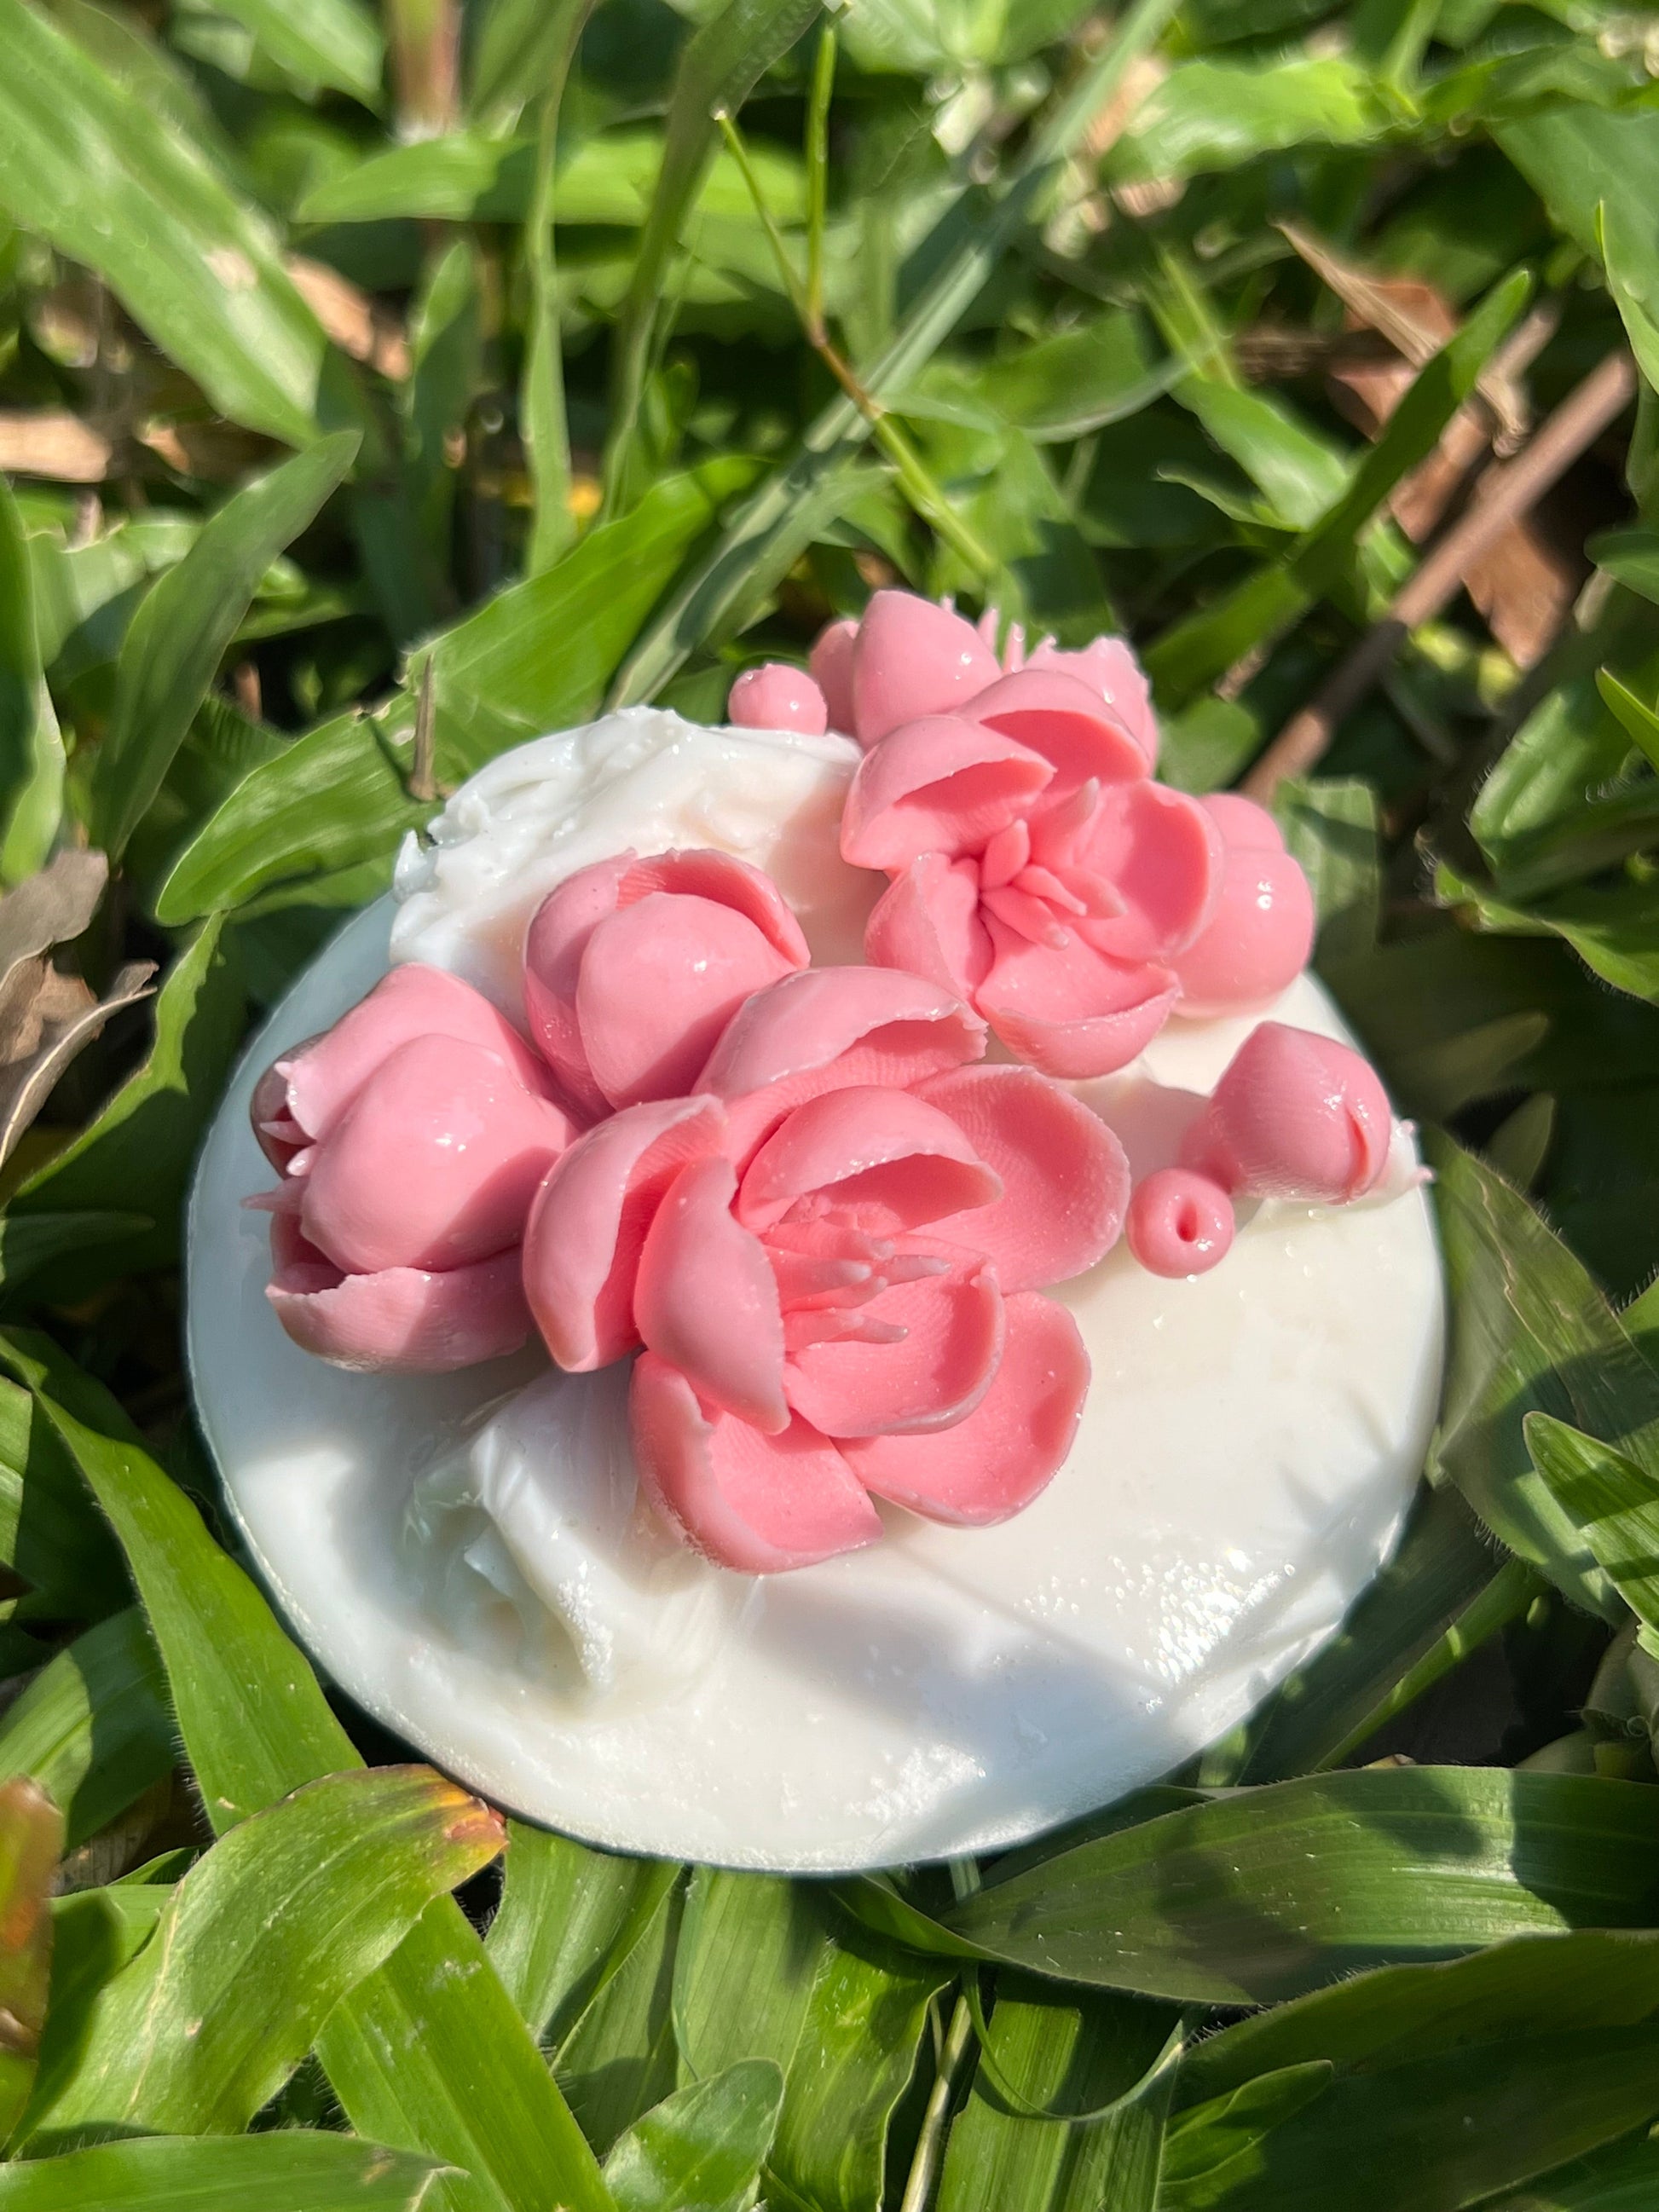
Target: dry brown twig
point(46, 1017)
point(1505, 494)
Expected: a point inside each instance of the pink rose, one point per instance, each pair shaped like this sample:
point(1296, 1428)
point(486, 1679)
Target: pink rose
point(412, 1139)
point(833, 1273)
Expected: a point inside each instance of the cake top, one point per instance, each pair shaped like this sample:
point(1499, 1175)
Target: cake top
point(819, 1204)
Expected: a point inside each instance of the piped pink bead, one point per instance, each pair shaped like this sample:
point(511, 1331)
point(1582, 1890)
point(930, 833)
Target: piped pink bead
point(1296, 1116)
point(778, 697)
point(830, 663)
point(1179, 1223)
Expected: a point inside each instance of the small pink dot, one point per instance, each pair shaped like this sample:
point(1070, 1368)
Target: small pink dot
point(1179, 1223)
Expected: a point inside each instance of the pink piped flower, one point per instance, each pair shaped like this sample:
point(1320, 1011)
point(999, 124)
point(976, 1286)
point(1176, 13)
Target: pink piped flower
point(633, 967)
point(412, 1139)
point(834, 1279)
point(1295, 1116)
point(1036, 869)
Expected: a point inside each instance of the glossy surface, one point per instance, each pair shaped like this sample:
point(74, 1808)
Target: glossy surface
point(1246, 1451)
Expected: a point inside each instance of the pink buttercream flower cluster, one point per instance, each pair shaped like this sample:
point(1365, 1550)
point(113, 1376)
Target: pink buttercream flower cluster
point(820, 1226)
point(823, 1229)
point(1036, 867)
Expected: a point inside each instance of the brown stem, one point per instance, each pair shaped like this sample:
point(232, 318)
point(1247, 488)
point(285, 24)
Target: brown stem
point(1503, 494)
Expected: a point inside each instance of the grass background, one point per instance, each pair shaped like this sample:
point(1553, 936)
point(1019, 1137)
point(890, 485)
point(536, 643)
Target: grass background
point(378, 389)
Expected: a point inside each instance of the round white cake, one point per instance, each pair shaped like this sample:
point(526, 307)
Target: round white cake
point(463, 1554)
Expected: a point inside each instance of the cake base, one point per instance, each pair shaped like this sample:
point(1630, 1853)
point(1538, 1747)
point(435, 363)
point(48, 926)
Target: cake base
point(1249, 1444)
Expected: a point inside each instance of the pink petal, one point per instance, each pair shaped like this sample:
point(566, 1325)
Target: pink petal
point(1110, 668)
point(1065, 1179)
point(1179, 1224)
point(914, 658)
point(1295, 1116)
point(759, 1504)
point(881, 1160)
point(1054, 715)
point(660, 980)
point(696, 872)
point(1071, 1012)
point(927, 922)
point(934, 1374)
point(1257, 941)
point(558, 936)
point(403, 1321)
point(632, 967)
point(311, 1086)
point(1163, 855)
point(826, 1029)
point(582, 1242)
point(1010, 1448)
point(775, 696)
point(705, 1301)
point(433, 1163)
point(830, 662)
point(939, 785)
point(1242, 823)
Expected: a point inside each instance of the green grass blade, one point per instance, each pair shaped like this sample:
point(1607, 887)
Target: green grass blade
point(253, 1951)
point(764, 538)
point(718, 68)
point(569, 1918)
point(1530, 1333)
point(1264, 1894)
point(179, 634)
point(541, 397)
point(701, 2150)
point(85, 163)
point(428, 2053)
point(1033, 2136)
point(336, 43)
point(30, 747)
point(96, 1728)
point(290, 2172)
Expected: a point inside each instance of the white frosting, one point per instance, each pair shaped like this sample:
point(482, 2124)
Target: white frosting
point(464, 1554)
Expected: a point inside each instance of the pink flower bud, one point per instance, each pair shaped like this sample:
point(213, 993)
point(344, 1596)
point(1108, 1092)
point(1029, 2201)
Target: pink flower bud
point(1295, 1116)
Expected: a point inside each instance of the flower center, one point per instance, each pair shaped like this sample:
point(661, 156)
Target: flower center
point(828, 1272)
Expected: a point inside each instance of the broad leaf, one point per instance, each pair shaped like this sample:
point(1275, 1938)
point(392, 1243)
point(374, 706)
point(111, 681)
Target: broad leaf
point(1053, 2123)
